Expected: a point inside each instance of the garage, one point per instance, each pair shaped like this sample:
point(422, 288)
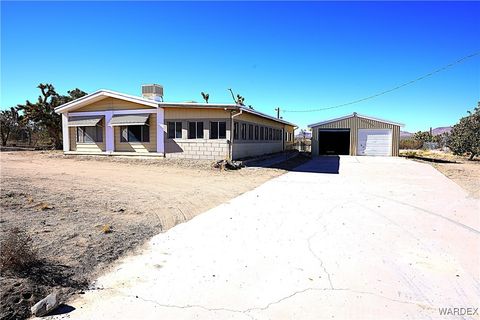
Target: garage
point(356, 135)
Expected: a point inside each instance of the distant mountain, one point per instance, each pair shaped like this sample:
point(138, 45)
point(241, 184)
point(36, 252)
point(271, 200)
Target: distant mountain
point(435, 132)
point(441, 130)
point(308, 135)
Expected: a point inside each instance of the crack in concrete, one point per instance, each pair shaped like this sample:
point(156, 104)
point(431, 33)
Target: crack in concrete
point(288, 297)
point(319, 260)
point(190, 306)
point(280, 300)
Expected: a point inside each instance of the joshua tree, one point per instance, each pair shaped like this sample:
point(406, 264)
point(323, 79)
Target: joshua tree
point(42, 112)
point(239, 100)
point(205, 96)
point(9, 123)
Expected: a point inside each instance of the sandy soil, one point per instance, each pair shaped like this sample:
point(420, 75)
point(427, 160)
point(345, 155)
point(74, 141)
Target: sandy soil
point(63, 203)
point(466, 174)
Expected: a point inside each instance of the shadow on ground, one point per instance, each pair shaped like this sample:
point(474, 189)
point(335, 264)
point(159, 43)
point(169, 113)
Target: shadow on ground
point(62, 309)
point(304, 163)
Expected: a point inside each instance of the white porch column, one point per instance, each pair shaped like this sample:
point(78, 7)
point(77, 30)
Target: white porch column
point(109, 133)
point(65, 133)
point(160, 130)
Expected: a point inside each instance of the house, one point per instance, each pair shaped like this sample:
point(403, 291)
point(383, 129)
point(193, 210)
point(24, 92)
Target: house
point(356, 135)
point(112, 123)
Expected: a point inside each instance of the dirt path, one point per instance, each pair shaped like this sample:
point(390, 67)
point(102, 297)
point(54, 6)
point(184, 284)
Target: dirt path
point(63, 203)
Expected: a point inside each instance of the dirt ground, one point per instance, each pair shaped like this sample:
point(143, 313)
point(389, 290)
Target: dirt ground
point(466, 174)
point(63, 203)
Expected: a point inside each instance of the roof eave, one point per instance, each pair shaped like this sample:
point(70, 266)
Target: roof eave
point(102, 94)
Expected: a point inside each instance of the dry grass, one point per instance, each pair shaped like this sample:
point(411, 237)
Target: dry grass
point(106, 228)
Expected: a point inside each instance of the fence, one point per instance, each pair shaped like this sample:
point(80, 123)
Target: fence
point(303, 146)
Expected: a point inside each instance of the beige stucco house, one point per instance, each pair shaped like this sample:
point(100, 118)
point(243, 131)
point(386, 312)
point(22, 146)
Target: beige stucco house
point(112, 123)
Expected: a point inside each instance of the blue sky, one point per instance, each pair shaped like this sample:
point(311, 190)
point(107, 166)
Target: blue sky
point(296, 56)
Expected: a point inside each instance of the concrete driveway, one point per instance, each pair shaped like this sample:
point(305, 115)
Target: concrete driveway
point(383, 238)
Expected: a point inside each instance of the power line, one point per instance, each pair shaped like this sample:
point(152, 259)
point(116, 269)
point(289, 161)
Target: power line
point(450, 65)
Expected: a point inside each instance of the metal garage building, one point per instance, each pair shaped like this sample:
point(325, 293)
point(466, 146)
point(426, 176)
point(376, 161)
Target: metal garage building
point(356, 135)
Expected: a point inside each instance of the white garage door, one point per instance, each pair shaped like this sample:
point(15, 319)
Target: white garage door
point(374, 142)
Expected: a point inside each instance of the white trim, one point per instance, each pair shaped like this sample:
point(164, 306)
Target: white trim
point(65, 133)
point(160, 130)
point(354, 115)
point(109, 133)
point(101, 94)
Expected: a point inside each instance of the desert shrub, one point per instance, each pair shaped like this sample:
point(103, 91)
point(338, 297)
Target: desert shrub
point(465, 135)
point(410, 154)
point(411, 144)
point(16, 251)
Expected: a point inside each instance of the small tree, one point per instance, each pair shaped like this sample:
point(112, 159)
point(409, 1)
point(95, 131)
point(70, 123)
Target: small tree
point(411, 144)
point(423, 136)
point(42, 113)
point(465, 135)
point(9, 124)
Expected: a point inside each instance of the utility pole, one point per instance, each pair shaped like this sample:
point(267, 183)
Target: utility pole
point(278, 112)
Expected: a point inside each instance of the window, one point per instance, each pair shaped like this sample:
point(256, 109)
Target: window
point(250, 132)
point(262, 135)
point(89, 134)
point(270, 134)
point(256, 132)
point(174, 130)
point(235, 131)
point(218, 130)
point(195, 130)
point(286, 136)
point(135, 134)
point(244, 131)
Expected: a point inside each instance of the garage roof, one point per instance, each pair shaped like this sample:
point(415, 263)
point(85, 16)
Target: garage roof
point(355, 115)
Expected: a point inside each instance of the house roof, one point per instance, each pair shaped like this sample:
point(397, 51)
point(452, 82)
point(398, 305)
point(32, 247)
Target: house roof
point(102, 94)
point(354, 115)
point(261, 114)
